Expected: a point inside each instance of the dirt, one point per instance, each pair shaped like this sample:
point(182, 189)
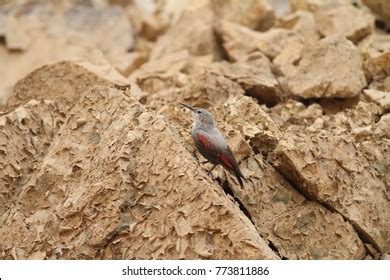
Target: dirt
point(96, 155)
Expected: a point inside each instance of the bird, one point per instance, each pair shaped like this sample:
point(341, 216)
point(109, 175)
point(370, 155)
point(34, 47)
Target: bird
point(211, 143)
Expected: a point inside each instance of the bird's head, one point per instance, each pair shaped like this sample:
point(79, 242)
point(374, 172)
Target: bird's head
point(201, 115)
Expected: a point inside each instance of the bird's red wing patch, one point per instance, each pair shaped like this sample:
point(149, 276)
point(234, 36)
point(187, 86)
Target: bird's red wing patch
point(205, 142)
point(226, 161)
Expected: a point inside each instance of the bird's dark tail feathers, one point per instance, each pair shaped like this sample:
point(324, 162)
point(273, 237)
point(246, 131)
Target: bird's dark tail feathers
point(239, 176)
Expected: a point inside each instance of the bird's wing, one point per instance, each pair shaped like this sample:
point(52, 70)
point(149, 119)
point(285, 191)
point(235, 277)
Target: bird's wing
point(227, 159)
point(207, 144)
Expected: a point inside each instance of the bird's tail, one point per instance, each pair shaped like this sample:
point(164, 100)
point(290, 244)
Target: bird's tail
point(239, 176)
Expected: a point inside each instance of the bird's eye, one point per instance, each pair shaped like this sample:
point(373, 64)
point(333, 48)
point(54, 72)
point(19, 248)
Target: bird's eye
point(199, 112)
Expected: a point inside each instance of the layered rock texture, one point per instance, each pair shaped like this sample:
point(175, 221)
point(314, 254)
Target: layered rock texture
point(96, 155)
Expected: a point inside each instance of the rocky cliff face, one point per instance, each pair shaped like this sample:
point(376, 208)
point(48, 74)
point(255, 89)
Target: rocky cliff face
point(96, 156)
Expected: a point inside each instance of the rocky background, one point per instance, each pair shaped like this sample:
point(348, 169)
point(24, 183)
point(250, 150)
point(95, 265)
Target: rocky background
point(96, 157)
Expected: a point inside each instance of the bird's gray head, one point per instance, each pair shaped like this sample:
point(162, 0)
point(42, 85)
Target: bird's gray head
point(202, 116)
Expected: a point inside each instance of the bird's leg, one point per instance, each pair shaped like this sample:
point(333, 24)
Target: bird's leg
point(208, 173)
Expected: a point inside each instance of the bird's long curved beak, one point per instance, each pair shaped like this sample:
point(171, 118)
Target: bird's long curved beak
point(189, 107)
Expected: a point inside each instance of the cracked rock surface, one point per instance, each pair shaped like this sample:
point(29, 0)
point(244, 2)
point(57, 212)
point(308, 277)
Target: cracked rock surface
point(96, 155)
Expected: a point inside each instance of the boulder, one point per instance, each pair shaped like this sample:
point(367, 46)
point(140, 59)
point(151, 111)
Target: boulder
point(193, 32)
point(347, 20)
point(237, 41)
point(381, 7)
point(255, 14)
point(339, 150)
point(380, 97)
point(65, 80)
point(26, 134)
point(377, 70)
point(40, 33)
point(255, 77)
point(303, 22)
point(132, 202)
point(314, 5)
point(281, 215)
point(331, 68)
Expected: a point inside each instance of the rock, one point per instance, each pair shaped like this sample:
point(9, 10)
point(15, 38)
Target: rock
point(47, 32)
point(16, 35)
point(168, 71)
point(65, 80)
point(298, 228)
point(314, 5)
point(303, 22)
point(274, 41)
point(287, 60)
point(380, 97)
point(374, 45)
point(149, 22)
point(377, 70)
point(118, 213)
point(346, 20)
point(25, 136)
point(130, 63)
point(281, 215)
point(257, 128)
point(325, 164)
point(101, 26)
point(193, 32)
point(210, 89)
point(255, 14)
point(292, 112)
point(383, 129)
point(254, 76)
point(332, 68)
point(381, 7)
point(238, 41)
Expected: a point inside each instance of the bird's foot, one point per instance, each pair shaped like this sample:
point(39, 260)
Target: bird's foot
point(208, 173)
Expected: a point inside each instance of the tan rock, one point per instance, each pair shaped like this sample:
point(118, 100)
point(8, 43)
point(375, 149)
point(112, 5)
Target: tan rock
point(381, 7)
point(112, 212)
point(25, 136)
point(374, 45)
point(380, 97)
point(292, 112)
point(324, 165)
point(347, 20)
point(46, 32)
point(209, 89)
point(16, 35)
point(383, 129)
point(274, 41)
point(238, 41)
point(303, 22)
point(169, 71)
point(257, 127)
point(377, 70)
point(298, 228)
point(65, 80)
point(129, 63)
point(332, 68)
point(313, 5)
point(255, 14)
point(193, 32)
point(281, 215)
point(149, 22)
point(255, 77)
point(287, 60)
